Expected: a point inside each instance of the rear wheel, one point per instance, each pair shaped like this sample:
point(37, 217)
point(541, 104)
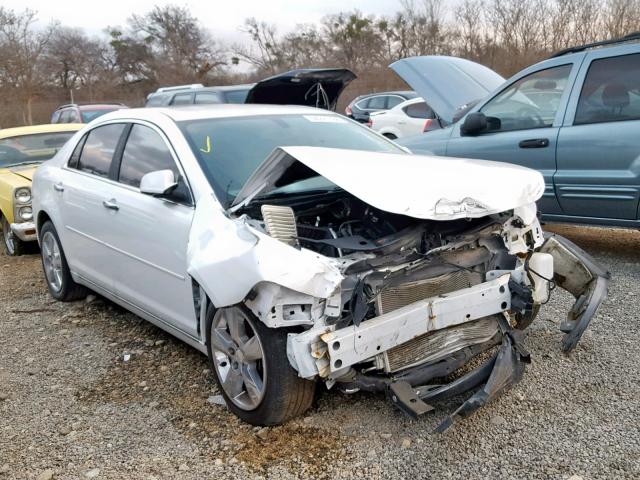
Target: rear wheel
point(251, 368)
point(56, 270)
point(12, 244)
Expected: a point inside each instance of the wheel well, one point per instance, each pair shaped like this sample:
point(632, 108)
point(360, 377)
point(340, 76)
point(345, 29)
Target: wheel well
point(42, 218)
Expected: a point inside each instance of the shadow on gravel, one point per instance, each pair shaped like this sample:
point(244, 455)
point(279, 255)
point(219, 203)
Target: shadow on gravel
point(164, 373)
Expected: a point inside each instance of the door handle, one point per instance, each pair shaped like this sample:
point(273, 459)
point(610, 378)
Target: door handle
point(401, 122)
point(58, 187)
point(534, 143)
point(111, 204)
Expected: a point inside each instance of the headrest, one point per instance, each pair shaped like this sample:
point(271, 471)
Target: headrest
point(615, 95)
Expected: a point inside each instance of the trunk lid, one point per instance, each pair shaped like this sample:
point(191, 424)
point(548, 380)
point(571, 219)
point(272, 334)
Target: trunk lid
point(447, 83)
point(425, 187)
point(311, 87)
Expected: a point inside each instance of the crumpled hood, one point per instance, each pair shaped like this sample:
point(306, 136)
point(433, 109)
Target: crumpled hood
point(447, 83)
point(26, 171)
point(419, 186)
point(312, 87)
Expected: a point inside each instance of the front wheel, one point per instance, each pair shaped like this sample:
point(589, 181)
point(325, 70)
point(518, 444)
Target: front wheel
point(56, 270)
point(12, 244)
point(251, 368)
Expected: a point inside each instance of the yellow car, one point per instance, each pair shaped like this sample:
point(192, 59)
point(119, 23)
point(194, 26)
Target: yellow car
point(22, 149)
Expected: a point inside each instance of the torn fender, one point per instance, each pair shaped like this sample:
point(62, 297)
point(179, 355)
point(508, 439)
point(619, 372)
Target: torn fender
point(228, 257)
point(579, 274)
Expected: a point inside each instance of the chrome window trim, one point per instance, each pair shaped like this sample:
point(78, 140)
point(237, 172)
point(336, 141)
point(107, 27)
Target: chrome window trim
point(155, 128)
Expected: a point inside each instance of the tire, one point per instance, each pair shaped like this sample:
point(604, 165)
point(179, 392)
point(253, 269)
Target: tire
point(284, 394)
point(390, 136)
point(56, 270)
point(13, 246)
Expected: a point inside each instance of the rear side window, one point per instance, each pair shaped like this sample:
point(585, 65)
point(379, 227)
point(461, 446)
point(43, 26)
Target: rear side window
point(611, 91)
point(205, 98)
point(65, 115)
point(181, 99)
point(99, 147)
point(144, 152)
point(418, 110)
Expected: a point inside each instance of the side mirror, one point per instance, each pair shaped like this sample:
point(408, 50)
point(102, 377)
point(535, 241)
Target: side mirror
point(160, 182)
point(474, 123)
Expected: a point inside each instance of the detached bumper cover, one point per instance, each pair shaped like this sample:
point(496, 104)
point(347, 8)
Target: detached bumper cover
point(578, 273)
point(25, 231)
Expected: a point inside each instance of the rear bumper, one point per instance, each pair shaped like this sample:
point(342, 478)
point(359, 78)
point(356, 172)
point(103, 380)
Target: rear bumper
point(25, 231)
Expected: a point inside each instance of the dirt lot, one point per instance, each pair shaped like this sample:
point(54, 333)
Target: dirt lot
point(72, 407)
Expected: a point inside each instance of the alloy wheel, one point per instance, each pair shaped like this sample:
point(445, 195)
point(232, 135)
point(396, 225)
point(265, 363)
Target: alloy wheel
point(9, 238)
point(238, 358)
point(52, 261)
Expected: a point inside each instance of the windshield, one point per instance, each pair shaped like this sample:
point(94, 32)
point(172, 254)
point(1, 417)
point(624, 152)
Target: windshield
point(88, 115)
point(230, 149)
point(31, 148)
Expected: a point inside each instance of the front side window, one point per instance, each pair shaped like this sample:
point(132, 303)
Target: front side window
point(182, 99)
point(206, 98)
point(611, 91)
point(236, 96)
point(531, 102)
point(228, 159)
point(144, 152)
point(31, 148)
point(65, 116)
point(377, 103)
point(393, 101)
point(418, 110)
point(98, 150)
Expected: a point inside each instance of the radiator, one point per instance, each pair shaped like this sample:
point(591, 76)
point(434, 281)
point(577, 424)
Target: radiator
point(435, 345)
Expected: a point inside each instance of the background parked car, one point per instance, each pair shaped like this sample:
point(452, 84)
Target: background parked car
point(22, 149)
point(360, 107)
point(74, 113)
point(411, 117)
point(574, 117)
point(197, 94)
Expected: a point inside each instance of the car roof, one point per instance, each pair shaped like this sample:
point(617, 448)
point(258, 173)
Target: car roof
point(222, 110)
point(101, 106)
point(36, 129)
point(189, 89)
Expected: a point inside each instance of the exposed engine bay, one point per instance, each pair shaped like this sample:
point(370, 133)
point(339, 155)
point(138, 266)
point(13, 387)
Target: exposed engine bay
point(419, 298)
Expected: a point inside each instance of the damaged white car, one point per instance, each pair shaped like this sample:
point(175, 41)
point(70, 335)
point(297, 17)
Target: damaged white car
point(296, 247)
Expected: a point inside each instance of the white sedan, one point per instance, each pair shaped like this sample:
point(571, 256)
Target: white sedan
point(410, 117)
point(294, 247)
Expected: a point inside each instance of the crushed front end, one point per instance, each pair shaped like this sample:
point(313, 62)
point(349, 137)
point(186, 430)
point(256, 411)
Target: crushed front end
point(419, 299)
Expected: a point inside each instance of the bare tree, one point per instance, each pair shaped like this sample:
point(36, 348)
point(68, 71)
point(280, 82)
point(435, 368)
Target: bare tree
point(22, 48)
point(182, 50)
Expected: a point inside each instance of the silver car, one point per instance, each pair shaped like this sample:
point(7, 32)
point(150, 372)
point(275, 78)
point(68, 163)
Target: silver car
point(295, 247)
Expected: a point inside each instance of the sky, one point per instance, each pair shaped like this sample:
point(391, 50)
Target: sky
point(222, 19)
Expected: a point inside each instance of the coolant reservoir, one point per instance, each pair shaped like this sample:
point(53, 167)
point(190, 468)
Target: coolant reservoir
point(541, 269)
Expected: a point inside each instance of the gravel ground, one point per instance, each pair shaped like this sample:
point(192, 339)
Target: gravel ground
point(72, 407)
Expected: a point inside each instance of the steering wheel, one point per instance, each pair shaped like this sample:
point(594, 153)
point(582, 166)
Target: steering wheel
point(530, 112)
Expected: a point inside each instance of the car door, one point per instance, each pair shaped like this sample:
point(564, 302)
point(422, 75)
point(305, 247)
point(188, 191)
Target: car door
point(524, 121)
point(150, 234)
point(598, 151)
point(85, 192)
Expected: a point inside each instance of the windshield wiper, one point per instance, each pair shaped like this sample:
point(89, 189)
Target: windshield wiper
point(31, 162)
